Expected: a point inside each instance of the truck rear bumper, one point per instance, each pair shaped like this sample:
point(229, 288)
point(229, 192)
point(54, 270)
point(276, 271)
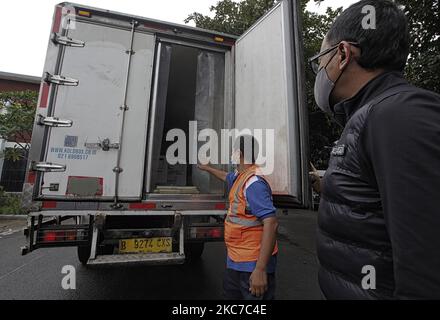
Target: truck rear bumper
point(148, 258)
point(68, 213)
point(95, 230)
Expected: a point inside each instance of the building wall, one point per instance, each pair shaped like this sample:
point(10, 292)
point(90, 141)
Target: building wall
point(8, 85)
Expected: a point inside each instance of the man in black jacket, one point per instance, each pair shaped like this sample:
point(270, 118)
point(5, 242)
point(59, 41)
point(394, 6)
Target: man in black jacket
point(379, 216)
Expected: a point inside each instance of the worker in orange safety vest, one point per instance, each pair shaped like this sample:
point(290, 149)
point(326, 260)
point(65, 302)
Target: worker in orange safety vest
point(250, 227)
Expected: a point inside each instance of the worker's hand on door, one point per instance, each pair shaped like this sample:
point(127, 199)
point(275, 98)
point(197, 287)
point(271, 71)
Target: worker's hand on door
point(204, 167)
point(315, 179)
point(219, 174)
point(258, 283)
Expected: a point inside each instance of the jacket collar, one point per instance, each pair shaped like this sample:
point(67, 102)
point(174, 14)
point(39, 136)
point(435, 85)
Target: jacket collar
point(345, 109)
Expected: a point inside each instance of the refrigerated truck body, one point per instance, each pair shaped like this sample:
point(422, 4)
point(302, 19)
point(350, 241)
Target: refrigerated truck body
point(113, 86)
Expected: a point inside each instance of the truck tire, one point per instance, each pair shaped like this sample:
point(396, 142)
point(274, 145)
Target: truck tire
point(83, 254)
point(194, 251)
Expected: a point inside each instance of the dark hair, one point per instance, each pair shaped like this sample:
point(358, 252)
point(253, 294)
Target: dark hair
point(248, 147)
point(387, 46)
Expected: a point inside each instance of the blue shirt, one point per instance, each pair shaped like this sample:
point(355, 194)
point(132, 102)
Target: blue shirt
point(259, 199)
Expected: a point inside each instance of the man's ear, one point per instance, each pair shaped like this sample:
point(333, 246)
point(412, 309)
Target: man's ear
point(344, 55)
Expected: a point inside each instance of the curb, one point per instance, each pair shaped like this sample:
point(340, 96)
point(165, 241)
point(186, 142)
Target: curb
point(13, 217)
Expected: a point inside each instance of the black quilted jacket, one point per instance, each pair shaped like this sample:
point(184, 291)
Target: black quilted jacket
point(380, 202)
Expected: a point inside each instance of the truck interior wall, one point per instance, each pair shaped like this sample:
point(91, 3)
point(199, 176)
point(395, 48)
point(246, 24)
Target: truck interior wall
point(190, 88)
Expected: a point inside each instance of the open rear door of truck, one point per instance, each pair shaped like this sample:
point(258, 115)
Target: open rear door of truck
point(93, 111)
point(269, 94)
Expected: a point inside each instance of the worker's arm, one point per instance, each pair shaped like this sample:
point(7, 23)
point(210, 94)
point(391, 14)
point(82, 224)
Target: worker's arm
point(315, 179)
point(259, 198)
point(258, 279)
point(219, 174)
point(402, 148)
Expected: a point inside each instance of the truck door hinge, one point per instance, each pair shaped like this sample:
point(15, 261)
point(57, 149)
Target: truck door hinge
point(54, 122)
point(61, 80)
point(48, 167)
point(66, 41)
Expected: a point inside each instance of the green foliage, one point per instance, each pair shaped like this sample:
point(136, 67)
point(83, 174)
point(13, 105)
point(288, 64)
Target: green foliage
point(10, 204)
point(423, 68)
point(232, 17)
point(17, 112)
point(323, 132)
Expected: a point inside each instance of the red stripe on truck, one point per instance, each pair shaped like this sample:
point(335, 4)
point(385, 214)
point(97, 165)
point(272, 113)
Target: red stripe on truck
point(44, 95)
point(57, 20)
point(31, 178)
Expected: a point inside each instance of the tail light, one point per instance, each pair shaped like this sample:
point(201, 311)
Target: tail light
point(49, 204)
point(58, 235)
point(216, 233)
point(220, 206)
point(50, 236)
point(70, 235)
point(206, 232)
point(142, 206)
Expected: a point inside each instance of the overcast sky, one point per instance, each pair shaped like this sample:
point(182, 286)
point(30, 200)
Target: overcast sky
point(25, 24)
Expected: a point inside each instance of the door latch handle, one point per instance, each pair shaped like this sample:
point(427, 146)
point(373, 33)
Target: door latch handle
point(48, 167)
point(61, 80)
point(105, 145)
point(63, 40)
point(54, 122)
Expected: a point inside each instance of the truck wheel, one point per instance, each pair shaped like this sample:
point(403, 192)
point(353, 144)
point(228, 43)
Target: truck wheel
point(194, 251)
point(83, 254)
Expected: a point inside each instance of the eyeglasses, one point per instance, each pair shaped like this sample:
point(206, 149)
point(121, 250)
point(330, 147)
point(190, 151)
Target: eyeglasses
point(314, 61)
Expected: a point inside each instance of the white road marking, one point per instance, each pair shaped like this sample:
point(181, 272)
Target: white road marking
point(9, 232)
point(6, 233)
point(20, 267)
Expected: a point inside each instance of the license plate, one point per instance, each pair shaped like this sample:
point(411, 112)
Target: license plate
point(147, 245)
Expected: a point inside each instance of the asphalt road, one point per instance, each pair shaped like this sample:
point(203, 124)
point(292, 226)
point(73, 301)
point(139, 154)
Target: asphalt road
point(38, 274)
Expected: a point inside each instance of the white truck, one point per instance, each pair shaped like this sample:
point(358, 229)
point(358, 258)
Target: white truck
point(113, 86)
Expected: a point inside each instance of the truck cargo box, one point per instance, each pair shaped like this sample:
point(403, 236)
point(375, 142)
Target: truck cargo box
point(116, 84)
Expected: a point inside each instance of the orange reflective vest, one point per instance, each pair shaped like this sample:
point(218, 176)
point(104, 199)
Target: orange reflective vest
point(243, 231)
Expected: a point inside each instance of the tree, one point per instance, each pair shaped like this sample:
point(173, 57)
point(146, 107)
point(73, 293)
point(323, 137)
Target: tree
point(232, 17)
point(236, 17)
point(323, 131)
point(423, 68)
point(17, 112)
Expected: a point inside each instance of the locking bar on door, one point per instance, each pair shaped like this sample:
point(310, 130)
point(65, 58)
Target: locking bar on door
point(48, 167)
point(54, 122)
point(66, 41)
point(61, 80)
